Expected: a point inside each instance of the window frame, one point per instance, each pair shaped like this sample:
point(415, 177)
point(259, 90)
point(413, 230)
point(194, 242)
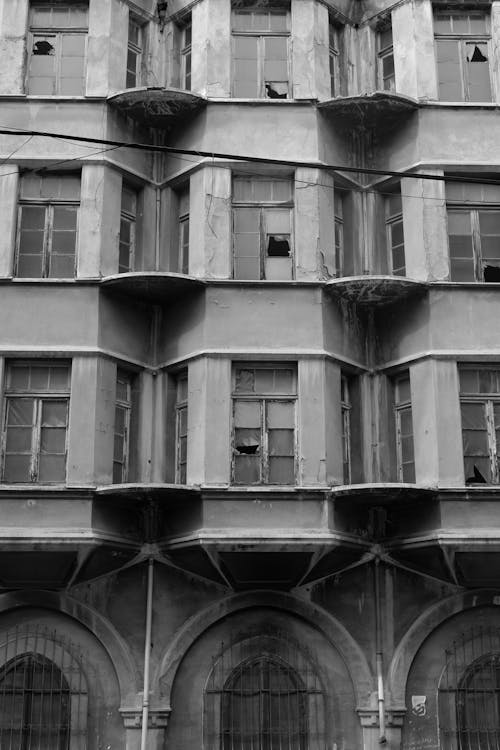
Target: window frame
point(264, 399)
point(463, 39)
point(39, 398)
point(130, 218)
point(261, 35)
point(181, 435)
point(57, 32)
point(185, 53)
point(385, 52)
point(394, 219)
point(473, 208)
point(183, 221)
point(125, 405)
point(264, 207)
point(488, 400)
point(339, 233)
point(403, 407)
point(346, 412)
point(137, 49)
point(334, 57)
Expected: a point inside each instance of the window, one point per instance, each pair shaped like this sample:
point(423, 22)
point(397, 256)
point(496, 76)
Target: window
point(339, 235)
point(462, 54)
point(473, 231)
point(47, 226)
point(346, 429)
point(395, 236)
point(35, 421)
point(333, 51)
point(386, 74)
point(260, 53)
point(262, 231)
point(264, 705)
point(404, 430)
point(186, 56)
point(480, 409)
point(57, 42)
point(183, 197)
point(123, 406)
point(127, 243)
point(181, 428)
point(264, 399)
point(134, 54)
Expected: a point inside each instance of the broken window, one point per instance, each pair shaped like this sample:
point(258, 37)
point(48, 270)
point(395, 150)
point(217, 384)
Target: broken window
point(473, 231)
point(480, 409)
point(47, 226)
point(183, 197)
point(127, 244)
point(264, 400)
point(35, 422)
point(404, 429)
point(346, 429)
point(262, 231)
point(134, 54)
point(123, 405)
point(181, 427)
point(185, 42)
point(339, 234)
point(395, 234)
point(57, 45)
point(462, 54)
point(260, 53)
point(386, 73)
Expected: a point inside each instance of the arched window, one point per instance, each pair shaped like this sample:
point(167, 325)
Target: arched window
point(264, 707)
point(478, 705)
point(35, 705)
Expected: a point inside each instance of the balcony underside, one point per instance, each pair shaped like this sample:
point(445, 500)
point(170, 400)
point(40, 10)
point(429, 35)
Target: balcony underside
point(155, 287)
point(157, 107)
point(375, 291)
point(382, 109)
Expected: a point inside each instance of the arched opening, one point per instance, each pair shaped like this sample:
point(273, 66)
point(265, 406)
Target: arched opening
point(478, 705)
point(264, 707)
point(35, 705)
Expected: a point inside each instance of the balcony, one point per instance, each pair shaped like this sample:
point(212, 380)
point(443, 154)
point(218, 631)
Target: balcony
point(375, 291)
point(154, 287)
point(157, 107)
point(381, 109)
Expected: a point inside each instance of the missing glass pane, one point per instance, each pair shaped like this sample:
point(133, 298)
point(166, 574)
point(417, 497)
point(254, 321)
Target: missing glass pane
point(43, 48)
point(278, 246)
point(275, 90)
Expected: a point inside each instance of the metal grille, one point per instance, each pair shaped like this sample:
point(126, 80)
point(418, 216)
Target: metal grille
point(263, 694)
point(469, 692)
point(43, 692)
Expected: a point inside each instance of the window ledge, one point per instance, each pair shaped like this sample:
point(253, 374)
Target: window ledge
point(259, 102)
point(461, 105)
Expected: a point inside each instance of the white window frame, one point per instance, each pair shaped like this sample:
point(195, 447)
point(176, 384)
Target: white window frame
point(57, 33)
point(463, 39)
point(181, 434)
point(263, 207)
point(385, 52)
point(125, 406)
point(488, 400)
point(264, 399)
point(261, 35)
point(39, 397)
point(136, 48)
point(403, 407)
point(393, 219)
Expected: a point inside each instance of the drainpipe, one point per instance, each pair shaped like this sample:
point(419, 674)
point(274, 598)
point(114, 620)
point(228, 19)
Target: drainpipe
point(147, 655)
point(379, 656)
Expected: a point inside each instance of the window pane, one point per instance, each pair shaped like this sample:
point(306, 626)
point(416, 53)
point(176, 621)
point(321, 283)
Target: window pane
point(18, 440)
point(40, 378)
point(277, 221)
point(469, 381)
point(473, 416)
point(280, 414)
point(18, 377)
point(476, 54)
point(284, 381)
point(247, 414)
point(246, 469)
point(246, 220)
point(17, 468)
point(19, 411)
point(52, 468)
point(59, 378)
point(54, 413)
point(449, 75)
point(462, 270)
point(32, 217)
point(281, 470)
point(247, 268)
point(73, 45)
point(281, 442)
point(65, 217)
point(245, 381)
point(61, 266)
point(53, 440)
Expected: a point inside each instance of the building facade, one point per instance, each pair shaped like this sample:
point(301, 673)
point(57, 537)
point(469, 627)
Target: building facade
point(249, 375)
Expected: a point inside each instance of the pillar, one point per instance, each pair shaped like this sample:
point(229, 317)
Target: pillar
point(107, 47)
point(211, 48)
point(210, 240)
point(99, 221)
point(310, 48)
point(9, 187)
point(13, 26)
point(414, 53)
point(424, 225)
point(314, 224)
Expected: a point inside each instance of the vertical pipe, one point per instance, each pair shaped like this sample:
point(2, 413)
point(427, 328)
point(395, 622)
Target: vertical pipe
point(147, 654)
point(379, 655)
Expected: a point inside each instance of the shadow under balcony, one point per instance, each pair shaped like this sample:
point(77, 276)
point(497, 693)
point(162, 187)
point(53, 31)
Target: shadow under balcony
point(157, 107)
point(154, 287)
point(375, 291)
point(380, 109)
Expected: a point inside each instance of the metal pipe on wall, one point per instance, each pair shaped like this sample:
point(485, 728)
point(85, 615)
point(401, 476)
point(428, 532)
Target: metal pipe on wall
point(147, 655)
point(379, 655)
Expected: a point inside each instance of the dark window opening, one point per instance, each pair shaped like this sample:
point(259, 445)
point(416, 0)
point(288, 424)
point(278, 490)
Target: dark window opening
point(476, 478)
point(477, 56)
point(492, 273)
point(278, 246)
point(43, 48)
point(276, 90)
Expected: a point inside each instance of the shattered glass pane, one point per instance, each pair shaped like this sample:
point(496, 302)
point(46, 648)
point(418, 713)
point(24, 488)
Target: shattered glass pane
point(247, 441)
point(278, 246)
point(479, 72)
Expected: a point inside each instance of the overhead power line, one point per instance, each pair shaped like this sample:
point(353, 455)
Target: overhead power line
point(252, 159)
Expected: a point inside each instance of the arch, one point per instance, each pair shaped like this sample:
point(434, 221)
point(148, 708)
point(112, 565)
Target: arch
point(423, 626)
point(94, 622)
point(349, 651)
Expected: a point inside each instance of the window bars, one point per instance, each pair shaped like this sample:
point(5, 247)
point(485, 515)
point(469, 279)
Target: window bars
point(43, 691)
point(263, 694)
point(469, 692)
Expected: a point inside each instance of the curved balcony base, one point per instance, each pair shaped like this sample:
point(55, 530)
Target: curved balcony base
point(154, 287)
point(156, 106)
point(380, 109)
point(375, 291)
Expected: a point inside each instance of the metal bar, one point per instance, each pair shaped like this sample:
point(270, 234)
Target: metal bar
point(147, 654)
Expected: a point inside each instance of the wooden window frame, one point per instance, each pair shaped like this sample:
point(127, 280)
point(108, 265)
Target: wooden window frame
point(135, 48)
point(186, 57)
point(124, 405)
point(131, 219)
point(385, 52)
point(488, 401)
point(181, 435)
point(403, 407)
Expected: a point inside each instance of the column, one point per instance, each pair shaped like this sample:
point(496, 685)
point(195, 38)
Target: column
point(424, 224)
point(210, 223)
point(107, 47)
point(13, 27)
point(99, 221)
point(495, 50)
point(314, 224)
point(310, 48)
point(9, 180)
point(414, 54)
point(211, 48)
